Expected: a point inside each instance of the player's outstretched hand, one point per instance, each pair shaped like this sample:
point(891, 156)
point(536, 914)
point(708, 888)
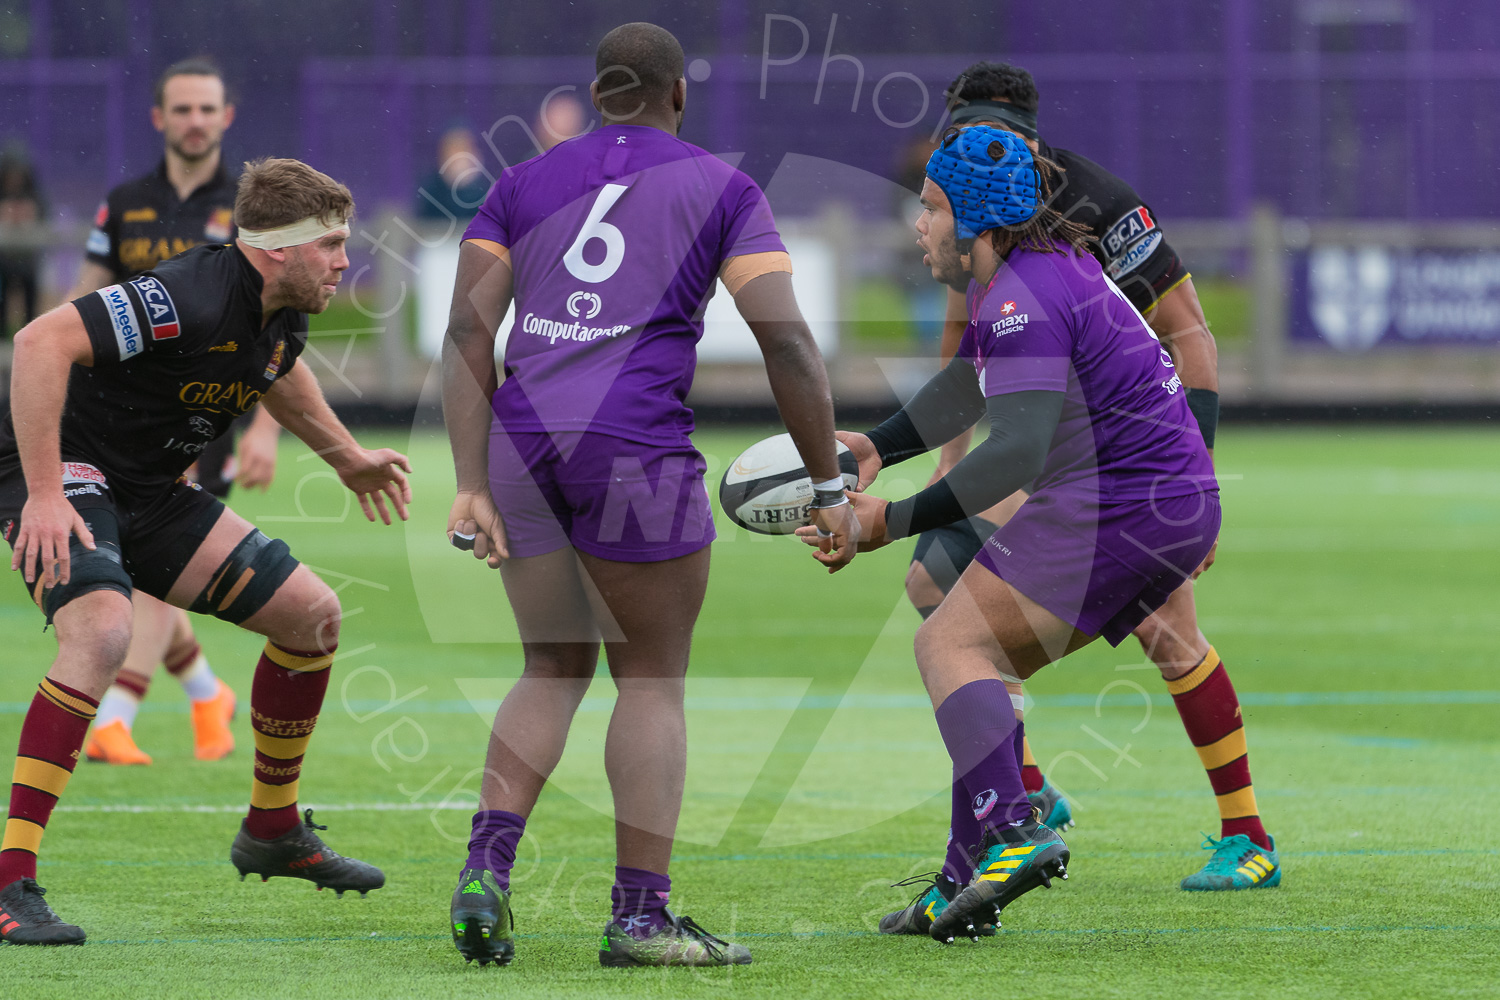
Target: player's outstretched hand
point(375, 477)
point(865, 454)
point(869, 515)
point(475, 524)
point(1208, 560)
point(836, 534)
point(43, 539)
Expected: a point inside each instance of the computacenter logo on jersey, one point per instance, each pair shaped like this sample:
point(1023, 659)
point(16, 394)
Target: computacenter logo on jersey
point(555, 331)
point(584, 305)
point(128, 331)
point(162, 312)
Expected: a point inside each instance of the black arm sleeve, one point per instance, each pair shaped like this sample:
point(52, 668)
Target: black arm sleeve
point(949, 404)
point(1021, 429)
point(1205, 406)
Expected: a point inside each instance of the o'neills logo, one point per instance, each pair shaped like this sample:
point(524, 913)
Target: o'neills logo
point(82, 472)
point(577, 332)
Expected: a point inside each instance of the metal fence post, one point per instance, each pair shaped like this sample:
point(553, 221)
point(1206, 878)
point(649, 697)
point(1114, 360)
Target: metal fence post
point(1268, 297)
point(396, 287)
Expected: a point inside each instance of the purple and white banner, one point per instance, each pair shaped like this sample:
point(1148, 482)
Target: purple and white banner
point(1358, 298)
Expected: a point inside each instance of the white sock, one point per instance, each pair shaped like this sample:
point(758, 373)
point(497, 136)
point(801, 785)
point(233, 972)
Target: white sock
point(117, 703)
point(199, 680)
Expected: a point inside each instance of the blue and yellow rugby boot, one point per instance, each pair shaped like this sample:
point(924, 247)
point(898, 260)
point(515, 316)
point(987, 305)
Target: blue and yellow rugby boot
point(1054, 809)
point(480, 918)
point(1011, 865)
point(1237, 863)
point(937, 892)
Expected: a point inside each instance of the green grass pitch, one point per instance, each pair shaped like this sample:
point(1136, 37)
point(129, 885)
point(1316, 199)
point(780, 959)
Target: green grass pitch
point(1354, 602)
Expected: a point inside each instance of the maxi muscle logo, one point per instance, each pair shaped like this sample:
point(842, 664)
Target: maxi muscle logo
point(128, 333)
point(1013, 323)
point(161, 311)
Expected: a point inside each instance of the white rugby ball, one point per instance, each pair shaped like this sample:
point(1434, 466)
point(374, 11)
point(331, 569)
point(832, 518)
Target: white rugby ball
point(767, 489)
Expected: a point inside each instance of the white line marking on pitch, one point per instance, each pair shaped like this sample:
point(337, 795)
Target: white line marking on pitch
point(335, 807)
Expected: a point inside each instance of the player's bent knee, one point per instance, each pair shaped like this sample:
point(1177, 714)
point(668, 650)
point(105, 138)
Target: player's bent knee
point(246, 580)
point(92, 570)
point(95, 628)
point(921, 590)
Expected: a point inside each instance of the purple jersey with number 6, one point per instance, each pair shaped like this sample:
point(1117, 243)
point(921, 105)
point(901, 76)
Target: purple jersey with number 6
point(1053, 321)
point(616, 239)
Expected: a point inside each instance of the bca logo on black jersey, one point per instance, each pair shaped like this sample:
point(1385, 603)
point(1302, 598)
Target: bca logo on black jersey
point(1124, 244)
point(162, 312)
point(1129, 229)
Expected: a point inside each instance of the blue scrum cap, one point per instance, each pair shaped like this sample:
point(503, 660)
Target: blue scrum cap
point(989, 177)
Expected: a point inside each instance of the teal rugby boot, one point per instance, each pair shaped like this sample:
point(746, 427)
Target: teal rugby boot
point(1054, 809)
point(1023, 858)
point(1235, 864)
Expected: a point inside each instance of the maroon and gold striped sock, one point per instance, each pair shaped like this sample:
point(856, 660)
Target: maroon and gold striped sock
point(1210, 713)
point(178, 660)
point(136, 684)
point(285, 698)
point(51, 740)
point(1031, 774)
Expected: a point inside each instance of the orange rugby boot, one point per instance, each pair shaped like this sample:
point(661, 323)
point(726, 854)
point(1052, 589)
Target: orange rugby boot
point(212, 739)
point(112, 744)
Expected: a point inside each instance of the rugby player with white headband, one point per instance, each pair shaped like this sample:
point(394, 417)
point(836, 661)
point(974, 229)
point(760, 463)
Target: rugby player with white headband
point(123, 387)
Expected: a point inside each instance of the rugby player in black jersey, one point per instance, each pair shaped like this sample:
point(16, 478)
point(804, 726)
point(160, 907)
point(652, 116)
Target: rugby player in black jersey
point(186, 201)
point(112, 399)
point(1136, 255)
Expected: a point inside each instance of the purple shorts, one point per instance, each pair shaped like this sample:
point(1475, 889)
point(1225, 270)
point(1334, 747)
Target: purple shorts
point(603, 495)
point(1103, 568)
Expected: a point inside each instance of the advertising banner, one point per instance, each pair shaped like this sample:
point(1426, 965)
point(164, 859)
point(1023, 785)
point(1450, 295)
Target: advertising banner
point(1358, 298)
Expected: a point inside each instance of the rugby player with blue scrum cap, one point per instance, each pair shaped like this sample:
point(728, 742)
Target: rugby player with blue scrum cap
point(112, 398)
point(1083, 403)
point(577, 477)
point(1135, 253)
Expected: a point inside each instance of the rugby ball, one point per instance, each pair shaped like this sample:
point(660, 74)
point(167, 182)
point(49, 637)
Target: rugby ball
point(767, 489)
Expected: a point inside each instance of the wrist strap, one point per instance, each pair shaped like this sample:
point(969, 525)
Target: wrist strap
point(834, 485)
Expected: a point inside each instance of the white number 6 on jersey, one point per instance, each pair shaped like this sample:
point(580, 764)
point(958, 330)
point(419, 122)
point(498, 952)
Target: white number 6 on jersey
point(595, 228)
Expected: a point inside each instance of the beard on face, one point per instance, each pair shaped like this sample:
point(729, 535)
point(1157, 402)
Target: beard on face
point(301, 285)
point(180, 148)
point(948, 266)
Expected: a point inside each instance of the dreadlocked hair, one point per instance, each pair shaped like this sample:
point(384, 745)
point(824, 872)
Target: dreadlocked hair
point(1048, 227)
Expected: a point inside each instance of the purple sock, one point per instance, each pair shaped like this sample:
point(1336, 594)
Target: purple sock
point(1020, 743)
point(963, 836)
point(493, 843)
point(638, 901)
point(978, 724)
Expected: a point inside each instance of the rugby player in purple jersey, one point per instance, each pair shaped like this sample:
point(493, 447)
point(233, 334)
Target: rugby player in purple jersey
point(1132, 249)
point(1083, 402)
point(576, 476)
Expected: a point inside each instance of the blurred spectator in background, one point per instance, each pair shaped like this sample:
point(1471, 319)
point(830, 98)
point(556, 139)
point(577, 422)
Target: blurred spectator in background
point(455, 190)
point(563, 116)
point(21, 205)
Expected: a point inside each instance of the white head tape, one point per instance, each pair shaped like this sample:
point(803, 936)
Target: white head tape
point(293, 234)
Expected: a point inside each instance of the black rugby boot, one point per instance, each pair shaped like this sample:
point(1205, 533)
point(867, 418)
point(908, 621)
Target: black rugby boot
point(301, 853)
